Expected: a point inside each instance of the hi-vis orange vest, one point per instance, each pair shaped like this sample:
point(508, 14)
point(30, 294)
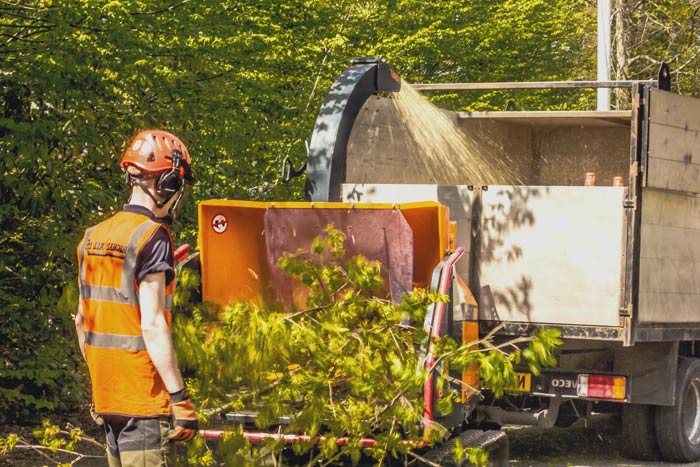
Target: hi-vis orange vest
point(124, 379)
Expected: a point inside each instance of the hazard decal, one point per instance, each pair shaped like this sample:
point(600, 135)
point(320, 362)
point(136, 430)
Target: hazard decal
point(219, 223)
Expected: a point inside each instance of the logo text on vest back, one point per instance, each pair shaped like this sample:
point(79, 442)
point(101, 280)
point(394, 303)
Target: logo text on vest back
point(104, 248)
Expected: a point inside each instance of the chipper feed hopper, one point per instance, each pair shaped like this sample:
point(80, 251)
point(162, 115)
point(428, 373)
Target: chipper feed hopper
point(240, 243)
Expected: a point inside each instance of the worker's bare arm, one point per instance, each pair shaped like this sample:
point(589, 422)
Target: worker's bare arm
point(80, 329)
point(156, 332)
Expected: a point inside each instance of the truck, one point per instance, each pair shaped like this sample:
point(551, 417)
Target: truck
point(613, 264)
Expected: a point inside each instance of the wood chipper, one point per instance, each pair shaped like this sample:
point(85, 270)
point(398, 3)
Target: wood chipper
point(240, 243)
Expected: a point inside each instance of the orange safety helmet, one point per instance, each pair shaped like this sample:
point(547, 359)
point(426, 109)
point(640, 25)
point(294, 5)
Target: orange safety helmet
point(152, 150)
point(163, 154)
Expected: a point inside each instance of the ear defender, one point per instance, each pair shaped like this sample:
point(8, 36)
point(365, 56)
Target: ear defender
point(170, 181)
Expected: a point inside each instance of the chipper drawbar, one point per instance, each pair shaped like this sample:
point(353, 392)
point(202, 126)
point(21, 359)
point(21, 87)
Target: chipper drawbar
point(240, 243)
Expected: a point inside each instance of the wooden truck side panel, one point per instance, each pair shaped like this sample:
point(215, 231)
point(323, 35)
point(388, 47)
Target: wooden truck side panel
point(669, 257)
point(539, 148)
point(669, 283)
point(674, 142)
point(549, 255)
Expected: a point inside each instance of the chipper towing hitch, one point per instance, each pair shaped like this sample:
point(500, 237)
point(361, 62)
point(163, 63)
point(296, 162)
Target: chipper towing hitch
point(413, 242)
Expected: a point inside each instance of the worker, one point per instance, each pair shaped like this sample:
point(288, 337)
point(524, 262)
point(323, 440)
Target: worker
point(126, 282)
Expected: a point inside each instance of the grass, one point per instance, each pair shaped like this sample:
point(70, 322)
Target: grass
point(601, 439)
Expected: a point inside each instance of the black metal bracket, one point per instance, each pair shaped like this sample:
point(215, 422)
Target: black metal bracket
point(664, 77)
point(289, 172)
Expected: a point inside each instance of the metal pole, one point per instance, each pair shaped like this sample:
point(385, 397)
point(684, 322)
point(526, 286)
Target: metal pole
point(603, 52)
point(528, 85)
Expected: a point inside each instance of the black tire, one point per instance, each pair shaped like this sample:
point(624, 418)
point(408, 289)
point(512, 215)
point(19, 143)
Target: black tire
point(639, 433)
point(678, 427)
point(499, 455)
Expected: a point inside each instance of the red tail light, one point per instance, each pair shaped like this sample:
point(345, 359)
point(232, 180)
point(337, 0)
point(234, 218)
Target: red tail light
point(602, 387)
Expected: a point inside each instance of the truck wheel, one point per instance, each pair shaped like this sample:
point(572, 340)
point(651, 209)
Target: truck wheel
point(678, 427)
point(639, 433)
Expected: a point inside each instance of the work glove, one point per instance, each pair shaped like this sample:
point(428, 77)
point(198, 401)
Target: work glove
point(97, 418)
point(185, 416)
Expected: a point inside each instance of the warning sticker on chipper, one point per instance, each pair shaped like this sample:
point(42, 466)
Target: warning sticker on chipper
point(219, 223)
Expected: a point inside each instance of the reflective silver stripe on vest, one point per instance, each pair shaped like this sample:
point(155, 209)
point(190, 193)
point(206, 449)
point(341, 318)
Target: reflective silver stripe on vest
point(127, 293)
point(114, 341)
point(168, 301)
point(130, 259)
point(82, 265)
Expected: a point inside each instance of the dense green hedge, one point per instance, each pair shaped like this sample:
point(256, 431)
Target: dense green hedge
point(240, 82)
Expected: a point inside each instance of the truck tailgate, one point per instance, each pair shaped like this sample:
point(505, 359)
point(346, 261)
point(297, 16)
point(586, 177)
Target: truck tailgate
point(549, 255)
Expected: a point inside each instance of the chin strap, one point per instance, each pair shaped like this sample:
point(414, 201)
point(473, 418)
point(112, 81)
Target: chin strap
point(169, 218)
point(175, 208)
point(145, 189)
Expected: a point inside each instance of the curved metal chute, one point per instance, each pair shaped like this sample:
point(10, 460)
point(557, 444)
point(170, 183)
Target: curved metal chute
point(325, 171)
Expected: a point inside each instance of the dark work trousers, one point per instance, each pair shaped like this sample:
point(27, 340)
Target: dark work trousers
point(139, 442)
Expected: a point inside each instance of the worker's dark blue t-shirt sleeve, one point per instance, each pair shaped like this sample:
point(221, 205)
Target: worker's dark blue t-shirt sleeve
point(156, 256)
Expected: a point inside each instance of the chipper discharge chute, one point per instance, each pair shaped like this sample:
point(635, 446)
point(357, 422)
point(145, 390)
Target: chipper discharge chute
point(241, 241)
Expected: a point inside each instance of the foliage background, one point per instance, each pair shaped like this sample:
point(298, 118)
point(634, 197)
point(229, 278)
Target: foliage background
point(240, 82)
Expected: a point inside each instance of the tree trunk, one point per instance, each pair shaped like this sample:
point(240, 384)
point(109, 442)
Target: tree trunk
point(620, 56)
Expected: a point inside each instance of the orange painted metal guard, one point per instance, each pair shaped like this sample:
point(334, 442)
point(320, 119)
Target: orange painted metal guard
point(240, 242)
